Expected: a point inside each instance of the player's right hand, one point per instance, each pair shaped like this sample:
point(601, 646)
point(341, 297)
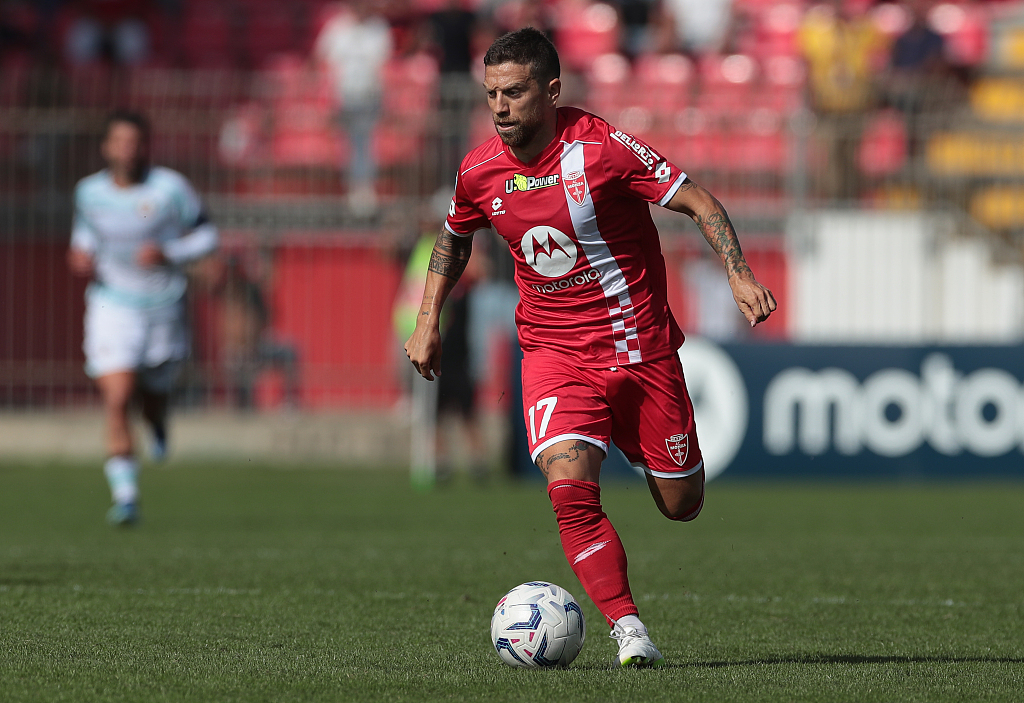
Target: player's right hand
point(80, 262)
point(424, 350)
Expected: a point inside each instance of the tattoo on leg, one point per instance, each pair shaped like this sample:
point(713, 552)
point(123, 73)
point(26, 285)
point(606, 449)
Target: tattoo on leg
point(573, 453)
point(450, 255)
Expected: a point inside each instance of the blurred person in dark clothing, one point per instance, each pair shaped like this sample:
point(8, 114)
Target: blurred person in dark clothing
point(246, 345)
point(456, 393)
point(452, 33)
point(917, 65)
point(452, 27)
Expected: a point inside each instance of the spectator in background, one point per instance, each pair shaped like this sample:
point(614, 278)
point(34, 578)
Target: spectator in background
point(108, 30)
point(452, 28)
point(354, 45)
point(246, 345)
point(917, 64)
point(456, 392)
point(452, 31)
point(701, 26)
point(843, 50)
point(636, 25)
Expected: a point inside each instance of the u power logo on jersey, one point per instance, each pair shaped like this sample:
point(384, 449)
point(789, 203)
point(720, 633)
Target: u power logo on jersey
point(528, 183)
point(549, 251)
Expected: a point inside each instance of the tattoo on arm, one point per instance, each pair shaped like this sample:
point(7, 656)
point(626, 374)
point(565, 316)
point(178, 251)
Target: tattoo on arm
point(450, 255)
point(721, 235)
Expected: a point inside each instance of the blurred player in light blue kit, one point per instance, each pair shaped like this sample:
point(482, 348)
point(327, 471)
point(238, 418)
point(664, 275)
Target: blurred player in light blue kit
point(135, 228)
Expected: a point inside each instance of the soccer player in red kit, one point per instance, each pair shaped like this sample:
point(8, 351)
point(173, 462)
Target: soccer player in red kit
point(571, 195)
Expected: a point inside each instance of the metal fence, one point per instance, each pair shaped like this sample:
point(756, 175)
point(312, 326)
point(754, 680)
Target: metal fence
point(268, 152)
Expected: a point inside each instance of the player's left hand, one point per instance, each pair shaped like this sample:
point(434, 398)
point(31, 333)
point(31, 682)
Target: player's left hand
point(151, 255)
point(754, 300)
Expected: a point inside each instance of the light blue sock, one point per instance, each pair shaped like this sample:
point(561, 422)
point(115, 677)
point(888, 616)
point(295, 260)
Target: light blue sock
point(122, 476)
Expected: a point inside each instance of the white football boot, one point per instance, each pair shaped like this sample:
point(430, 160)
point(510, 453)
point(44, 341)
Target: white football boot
point(636, 648)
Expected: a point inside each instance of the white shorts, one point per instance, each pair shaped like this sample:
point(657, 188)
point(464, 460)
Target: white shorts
point(152, 342)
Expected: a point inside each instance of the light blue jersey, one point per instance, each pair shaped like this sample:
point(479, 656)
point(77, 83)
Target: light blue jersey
point(112, 223)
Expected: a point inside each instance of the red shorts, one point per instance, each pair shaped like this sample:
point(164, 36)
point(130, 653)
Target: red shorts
point(644, 408)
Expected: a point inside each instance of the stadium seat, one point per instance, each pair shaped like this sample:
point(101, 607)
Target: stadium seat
point(998, 99)
point(207, 36)
point(727, 83)
point(694, 142)
point(883, 147)
point(481, 127)
point(90, 85)
point(664, 82)
point(756, 152)
point(269, 28)
point(965, 29)
point(14, 79)
point(585, 31)
point(409, 85)
point(302, 137)
point(609, 85)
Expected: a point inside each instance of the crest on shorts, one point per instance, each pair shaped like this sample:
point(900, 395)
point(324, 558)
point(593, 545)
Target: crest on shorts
point(576, 186)
point(678, 448)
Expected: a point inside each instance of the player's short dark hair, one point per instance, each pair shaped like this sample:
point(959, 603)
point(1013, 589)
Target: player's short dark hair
point(526, 47)
point(131, 117)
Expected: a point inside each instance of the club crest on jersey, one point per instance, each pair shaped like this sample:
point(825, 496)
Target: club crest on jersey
point(526, 183)
point(549, 251)
point(146, 208)
point(678, 448)
point(576, 186)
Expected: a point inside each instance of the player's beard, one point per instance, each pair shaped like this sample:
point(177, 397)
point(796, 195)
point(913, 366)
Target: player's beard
point(523, 132)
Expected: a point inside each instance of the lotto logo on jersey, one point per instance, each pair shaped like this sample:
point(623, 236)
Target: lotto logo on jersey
point(527, 183)
point(549, 251)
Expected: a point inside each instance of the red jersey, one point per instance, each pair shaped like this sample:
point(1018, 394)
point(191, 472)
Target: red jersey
point(577, 219)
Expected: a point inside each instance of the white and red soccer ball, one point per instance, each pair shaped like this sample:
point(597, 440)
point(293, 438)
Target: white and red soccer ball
point(538, 624)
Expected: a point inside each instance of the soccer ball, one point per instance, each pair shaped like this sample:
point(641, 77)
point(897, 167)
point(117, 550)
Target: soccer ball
point(538, 624)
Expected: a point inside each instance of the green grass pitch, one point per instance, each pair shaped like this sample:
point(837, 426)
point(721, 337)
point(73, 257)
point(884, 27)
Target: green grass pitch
point(256, 583)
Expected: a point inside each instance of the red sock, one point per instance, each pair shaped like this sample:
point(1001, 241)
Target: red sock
point(592, 547)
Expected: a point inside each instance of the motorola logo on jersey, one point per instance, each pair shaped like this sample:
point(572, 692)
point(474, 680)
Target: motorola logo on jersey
point(549, 251)
point(580, 279)
point(525, 183)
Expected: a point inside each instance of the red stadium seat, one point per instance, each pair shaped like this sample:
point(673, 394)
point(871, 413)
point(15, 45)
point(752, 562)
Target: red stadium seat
point(481, 127)
point(728, 83)
point(586, 30)
point(610, 88)
point(207, 36)
point(759, 145)
point(269, 29)
point(394, 144)
point(664, 81)
point(409, 85)
point(305, 140)
point(694, 143)
point(883, 147)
